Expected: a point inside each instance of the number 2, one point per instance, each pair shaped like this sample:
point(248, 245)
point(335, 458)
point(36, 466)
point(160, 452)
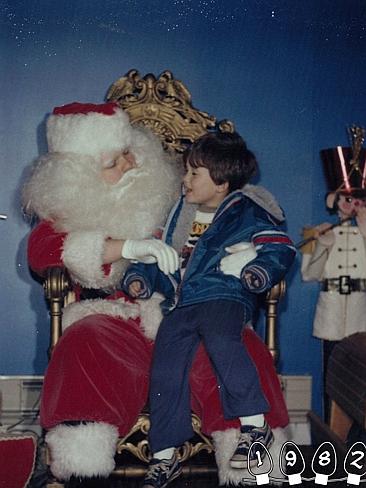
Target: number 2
point(360, 455)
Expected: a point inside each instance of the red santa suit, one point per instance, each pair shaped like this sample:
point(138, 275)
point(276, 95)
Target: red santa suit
point(99, 370)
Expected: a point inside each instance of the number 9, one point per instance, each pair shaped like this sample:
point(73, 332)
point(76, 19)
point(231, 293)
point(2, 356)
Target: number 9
point(291, 458)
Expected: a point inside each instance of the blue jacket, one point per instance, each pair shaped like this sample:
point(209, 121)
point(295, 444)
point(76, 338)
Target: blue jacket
point(239, 218)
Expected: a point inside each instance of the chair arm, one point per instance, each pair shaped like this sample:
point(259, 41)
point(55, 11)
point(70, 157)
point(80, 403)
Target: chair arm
point(272, 299)
point(56, 286)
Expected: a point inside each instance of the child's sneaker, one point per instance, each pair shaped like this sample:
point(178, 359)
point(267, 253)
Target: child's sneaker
point(248, 435)
point(162, 471)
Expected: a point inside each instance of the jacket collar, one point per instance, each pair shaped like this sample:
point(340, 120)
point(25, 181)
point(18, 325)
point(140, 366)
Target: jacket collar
point(257, 194)
point(185, 212)
point(229, 201)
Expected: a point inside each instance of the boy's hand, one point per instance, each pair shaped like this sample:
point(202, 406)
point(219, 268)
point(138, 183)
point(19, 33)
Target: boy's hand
point(134, 289)
point(239, 256)
point(152, 251)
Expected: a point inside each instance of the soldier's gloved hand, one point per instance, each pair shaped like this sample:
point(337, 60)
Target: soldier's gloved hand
point(328, 238)
point(361, 220)
point(239, 256)
point(152, 251)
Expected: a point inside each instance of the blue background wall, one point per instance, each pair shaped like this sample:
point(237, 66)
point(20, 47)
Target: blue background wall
point(289, 73)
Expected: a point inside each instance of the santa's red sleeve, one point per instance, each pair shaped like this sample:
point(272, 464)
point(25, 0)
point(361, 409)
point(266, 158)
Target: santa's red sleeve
point(45, 247)
point(81, 252)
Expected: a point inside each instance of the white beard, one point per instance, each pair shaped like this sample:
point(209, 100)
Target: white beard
point(68, 190)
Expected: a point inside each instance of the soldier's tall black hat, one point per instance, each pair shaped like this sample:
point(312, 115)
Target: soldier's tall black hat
point(345, 167)
point(343, 174)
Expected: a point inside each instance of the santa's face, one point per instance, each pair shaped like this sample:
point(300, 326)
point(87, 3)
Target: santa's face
point(349, 206)
point(122, 195)
point(116, 164)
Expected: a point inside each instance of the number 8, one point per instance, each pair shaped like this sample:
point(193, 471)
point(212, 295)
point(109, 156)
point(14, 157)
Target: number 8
point(324, 458)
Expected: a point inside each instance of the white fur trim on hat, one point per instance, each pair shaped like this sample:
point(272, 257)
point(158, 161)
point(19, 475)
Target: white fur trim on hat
point(83, 257)
point(225, 443)
point(114, 308)
point(92, 133)
point(84, 450)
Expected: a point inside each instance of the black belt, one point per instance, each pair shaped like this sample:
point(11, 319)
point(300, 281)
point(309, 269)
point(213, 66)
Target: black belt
point(344, 285)
point(91, 293)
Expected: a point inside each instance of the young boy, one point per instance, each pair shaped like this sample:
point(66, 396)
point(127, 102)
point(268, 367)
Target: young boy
point(204, 304)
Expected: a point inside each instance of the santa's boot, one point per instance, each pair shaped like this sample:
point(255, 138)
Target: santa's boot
point(85, 450)
point(93, 482)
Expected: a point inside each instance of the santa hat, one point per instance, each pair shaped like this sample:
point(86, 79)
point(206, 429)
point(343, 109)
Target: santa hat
point(343, 173)
point(86, 128)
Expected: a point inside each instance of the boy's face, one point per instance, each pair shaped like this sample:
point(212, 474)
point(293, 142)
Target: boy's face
point(116, 164)
point(201, 189)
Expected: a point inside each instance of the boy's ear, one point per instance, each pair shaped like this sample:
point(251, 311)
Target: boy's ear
point(224, 187)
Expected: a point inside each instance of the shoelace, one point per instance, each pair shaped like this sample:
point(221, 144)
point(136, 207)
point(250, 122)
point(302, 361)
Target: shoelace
point(156, 470)
point(245, 440)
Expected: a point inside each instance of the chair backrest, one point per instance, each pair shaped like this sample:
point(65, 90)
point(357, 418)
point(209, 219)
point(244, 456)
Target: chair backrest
point(164, 105)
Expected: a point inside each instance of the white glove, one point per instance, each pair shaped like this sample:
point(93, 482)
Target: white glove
point(150, 251)
point(361, 220)
point(239, 255)
point(328, 238)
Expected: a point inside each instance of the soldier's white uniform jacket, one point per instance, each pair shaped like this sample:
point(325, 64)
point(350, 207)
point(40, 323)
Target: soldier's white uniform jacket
point(341, 269)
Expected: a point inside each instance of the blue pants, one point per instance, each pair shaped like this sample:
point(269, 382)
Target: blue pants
point(219, 325)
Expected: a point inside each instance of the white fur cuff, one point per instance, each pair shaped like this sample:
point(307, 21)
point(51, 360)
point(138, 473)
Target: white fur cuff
point(83, 257)
point(151, 315)
point(84, 450)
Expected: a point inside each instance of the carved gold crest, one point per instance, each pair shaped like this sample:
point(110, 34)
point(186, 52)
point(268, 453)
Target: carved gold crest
point(164, 105)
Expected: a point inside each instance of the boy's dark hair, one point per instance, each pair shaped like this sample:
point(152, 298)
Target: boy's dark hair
point(226, 157)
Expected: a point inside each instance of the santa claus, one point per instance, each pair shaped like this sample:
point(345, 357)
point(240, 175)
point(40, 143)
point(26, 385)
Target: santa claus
point(100, 193)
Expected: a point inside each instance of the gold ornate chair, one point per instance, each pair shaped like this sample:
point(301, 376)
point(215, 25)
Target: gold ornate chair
point(163, 105)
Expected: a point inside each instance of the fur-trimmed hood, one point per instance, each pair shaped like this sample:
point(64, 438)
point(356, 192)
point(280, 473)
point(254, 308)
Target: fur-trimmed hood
point(266, 200)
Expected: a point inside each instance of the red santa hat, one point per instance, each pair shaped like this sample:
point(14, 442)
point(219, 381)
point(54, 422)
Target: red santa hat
point(86, 128)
